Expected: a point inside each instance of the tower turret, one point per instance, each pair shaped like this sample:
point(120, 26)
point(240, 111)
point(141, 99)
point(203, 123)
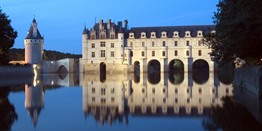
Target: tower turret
point(33, 45)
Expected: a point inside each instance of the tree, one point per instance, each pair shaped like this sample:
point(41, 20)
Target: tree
point(7, 37)
point(238, 31)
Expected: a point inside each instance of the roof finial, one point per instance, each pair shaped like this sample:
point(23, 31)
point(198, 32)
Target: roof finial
point(34, 21)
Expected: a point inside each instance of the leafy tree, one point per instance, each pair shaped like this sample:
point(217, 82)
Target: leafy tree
point(7, 37)
point(238, 31)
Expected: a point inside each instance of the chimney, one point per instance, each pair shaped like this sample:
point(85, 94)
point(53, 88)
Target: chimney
point(126, 23)
point(108, 24)
point(100, 24)
point(120, 24)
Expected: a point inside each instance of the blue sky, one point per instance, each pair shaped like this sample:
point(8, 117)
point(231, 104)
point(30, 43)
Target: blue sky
point(62, 21)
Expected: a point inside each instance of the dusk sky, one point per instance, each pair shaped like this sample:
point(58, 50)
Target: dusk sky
point(62, 22)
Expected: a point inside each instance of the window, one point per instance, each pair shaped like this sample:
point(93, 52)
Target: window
point(112, 45)
point(187, 53)
point(102, 36)
point(187, 43)
point(93, 36)
point(143, 44)
point(143, 90)
point(164, 100)
point(93, 99)
point(176, 53)
point(163, 53)
point(103, 53)
point(199, 53)
point(153, 44)
point(93, 54)
point(164, 43)
point(153, 53)
point(175, 43)
point(112, 99)
point(176, 100)
point(103, 100)
point(200, 91)
point(113, 90)
point(102, 44)
point(142, 53)
point(176, 91)
point(93, 90)
point(153, 90)
point(112, 54)
point(103, 91)
point(93, 45)
point(112, 36)
point(199, 43)
point(131, 44)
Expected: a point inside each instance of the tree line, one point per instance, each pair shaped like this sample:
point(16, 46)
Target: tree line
point(16, 54)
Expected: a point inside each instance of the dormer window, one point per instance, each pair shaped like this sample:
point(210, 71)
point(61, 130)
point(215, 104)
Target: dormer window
point(153, 34)
point(93, 36)
point(143, 35)
point(199, 33)
point(187, 34)
point(175, 34)
point(131, 35)
point(112, 36)
point(163, 34)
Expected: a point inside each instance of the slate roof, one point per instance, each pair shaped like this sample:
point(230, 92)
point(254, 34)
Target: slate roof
point(30, 33)
point(170, 29)
point(118, 28)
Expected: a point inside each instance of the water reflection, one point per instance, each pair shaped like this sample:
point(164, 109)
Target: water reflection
point(8, 114)
point(122, 98)
point(170, 94)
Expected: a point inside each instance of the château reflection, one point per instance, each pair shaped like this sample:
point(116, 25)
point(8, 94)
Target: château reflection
point(176, 94)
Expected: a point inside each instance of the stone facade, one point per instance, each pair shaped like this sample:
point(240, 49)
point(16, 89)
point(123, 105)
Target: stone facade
point(120, 49)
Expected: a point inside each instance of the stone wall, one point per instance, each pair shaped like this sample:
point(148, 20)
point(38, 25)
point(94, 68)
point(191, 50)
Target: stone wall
point(249, 79)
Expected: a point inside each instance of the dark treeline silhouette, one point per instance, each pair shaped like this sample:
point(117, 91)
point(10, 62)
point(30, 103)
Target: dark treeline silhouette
point(19, 55)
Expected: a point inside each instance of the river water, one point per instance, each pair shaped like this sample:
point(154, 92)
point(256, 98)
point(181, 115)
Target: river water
point(174, 101)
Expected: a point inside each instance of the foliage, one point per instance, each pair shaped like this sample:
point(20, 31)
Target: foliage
point(238, 31)
point(7, 37)
point(19, 55)
point(8, 114)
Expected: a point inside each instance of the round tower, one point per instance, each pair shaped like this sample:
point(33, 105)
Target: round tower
point(34, 45)
point(84, 43)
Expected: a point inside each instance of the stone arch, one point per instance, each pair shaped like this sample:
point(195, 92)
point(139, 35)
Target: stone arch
point(136, 71)
point(154, 69)
point(175, 65)
point(200, 70)
point(62, 69)
point(200, 64)
point(102, 69)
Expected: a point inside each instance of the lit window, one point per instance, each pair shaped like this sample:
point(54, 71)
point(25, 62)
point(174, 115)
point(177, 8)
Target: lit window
point(103, 52)
point(153, 53)
point(93, 54)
